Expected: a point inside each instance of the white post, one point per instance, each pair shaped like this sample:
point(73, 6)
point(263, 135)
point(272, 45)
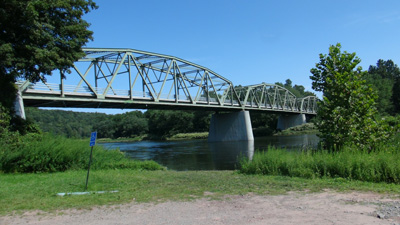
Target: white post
point(19, 106)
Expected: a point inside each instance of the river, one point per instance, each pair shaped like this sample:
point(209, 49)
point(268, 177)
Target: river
point(201, 155)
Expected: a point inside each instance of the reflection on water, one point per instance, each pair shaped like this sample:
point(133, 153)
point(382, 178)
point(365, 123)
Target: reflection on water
point(201, 155)
point(225, 155)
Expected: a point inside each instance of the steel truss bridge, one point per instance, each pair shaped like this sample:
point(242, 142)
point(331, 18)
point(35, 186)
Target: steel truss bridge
point(132, 79)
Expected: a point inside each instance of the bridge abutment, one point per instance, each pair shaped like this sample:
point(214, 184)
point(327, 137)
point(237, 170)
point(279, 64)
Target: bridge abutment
point(19, 106)
point(231, 127)
point(286, 121)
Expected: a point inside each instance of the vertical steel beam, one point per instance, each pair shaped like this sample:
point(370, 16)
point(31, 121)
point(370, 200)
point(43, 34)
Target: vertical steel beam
point(130, 76)
point(175, 85)
point(95, 63)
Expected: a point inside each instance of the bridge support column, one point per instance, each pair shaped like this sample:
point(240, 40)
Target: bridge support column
point(19, 106)
point(286, 121)
point(231, 127)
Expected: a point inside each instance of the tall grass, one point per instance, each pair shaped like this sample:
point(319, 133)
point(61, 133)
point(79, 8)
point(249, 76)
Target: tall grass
point(378, 166)
point(48, 153)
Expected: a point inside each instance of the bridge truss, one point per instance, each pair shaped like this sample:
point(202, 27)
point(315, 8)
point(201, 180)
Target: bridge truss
point(127, 78)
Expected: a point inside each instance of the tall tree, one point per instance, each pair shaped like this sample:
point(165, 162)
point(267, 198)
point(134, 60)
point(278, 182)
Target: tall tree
point(348, 106)
point(39, 36)
point(384, 79)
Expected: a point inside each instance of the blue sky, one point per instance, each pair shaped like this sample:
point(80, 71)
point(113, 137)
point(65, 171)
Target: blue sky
point(251, 41)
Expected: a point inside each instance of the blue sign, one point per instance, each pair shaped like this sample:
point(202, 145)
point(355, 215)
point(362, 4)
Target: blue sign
point(93, 139)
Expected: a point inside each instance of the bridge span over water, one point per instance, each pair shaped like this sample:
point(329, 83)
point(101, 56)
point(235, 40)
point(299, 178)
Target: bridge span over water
point(133, 79)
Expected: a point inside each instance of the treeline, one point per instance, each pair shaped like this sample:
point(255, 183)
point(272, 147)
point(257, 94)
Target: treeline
point(298, 90)
point(153, 123)
point(385, 80)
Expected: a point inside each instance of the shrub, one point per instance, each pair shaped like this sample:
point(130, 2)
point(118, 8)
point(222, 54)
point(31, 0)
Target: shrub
point(47, 153)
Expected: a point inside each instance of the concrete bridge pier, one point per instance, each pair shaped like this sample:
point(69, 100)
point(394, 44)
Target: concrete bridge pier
point(234, 126)
point(19, 106)
point(286, 121)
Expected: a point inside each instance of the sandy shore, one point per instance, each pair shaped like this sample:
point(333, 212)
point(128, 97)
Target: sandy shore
point(293, 208)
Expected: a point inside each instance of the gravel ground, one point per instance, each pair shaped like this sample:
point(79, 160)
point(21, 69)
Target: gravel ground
point(293, 208)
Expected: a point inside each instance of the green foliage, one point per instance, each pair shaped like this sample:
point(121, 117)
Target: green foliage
point(308, 128)
point(127, 125)
point(8, 90)
point(66, 123)
point(15, 123)
point(264, 124)
point(350, 163)
point(297, 90)
point(346, 114)
point(36, 38)
point(35, 153)
point(384, 79)
point(4, 118)
point(167, 123)
point(40, 36)
point(180, 136)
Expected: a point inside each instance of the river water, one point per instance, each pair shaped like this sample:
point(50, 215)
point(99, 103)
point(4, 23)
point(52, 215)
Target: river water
point(201, 155)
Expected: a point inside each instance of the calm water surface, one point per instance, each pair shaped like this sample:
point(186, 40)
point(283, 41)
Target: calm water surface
point(201, 155)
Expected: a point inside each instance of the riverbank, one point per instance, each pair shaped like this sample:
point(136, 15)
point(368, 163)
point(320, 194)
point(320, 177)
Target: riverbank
point(180, 136)
point(308, 128)
point(122, 139)
point(27, 192)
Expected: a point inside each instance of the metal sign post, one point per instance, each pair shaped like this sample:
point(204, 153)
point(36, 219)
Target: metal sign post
point(92, 143)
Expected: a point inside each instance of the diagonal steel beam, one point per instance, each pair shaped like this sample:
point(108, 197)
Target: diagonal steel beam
point(84, 79)
point(115, 74)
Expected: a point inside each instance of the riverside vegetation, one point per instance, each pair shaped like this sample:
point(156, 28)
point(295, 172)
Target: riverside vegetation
point(34, 166)
point(380, 165)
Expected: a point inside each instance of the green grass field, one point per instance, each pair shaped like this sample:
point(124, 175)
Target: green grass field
point(22, 192)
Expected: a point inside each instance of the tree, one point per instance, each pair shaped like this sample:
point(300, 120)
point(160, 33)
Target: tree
point(165, 123)
point(38, 37)
point(348, 106)
point(288, 83)
point(384, 79)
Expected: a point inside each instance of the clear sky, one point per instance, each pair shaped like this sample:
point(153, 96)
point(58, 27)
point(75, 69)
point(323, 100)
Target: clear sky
point(251, 41)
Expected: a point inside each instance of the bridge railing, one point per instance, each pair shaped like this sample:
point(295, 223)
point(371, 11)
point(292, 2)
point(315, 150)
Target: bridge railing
point(127, 74)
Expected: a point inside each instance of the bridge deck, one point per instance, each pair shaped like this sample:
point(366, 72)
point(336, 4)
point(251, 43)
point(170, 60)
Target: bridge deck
point(52, 98)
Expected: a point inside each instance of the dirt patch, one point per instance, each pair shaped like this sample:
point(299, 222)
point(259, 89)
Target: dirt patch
point(293, 208)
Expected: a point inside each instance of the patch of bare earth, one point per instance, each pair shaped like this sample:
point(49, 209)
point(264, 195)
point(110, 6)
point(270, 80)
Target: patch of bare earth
point(293, 208)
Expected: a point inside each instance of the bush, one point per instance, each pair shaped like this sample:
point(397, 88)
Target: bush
point(47, 153)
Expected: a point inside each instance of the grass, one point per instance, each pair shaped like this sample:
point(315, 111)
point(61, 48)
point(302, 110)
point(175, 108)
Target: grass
point(376, 166)
point(347, 170)
point(184, 136)
point(308, 128)
point(22, 192)
point(132, 139)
